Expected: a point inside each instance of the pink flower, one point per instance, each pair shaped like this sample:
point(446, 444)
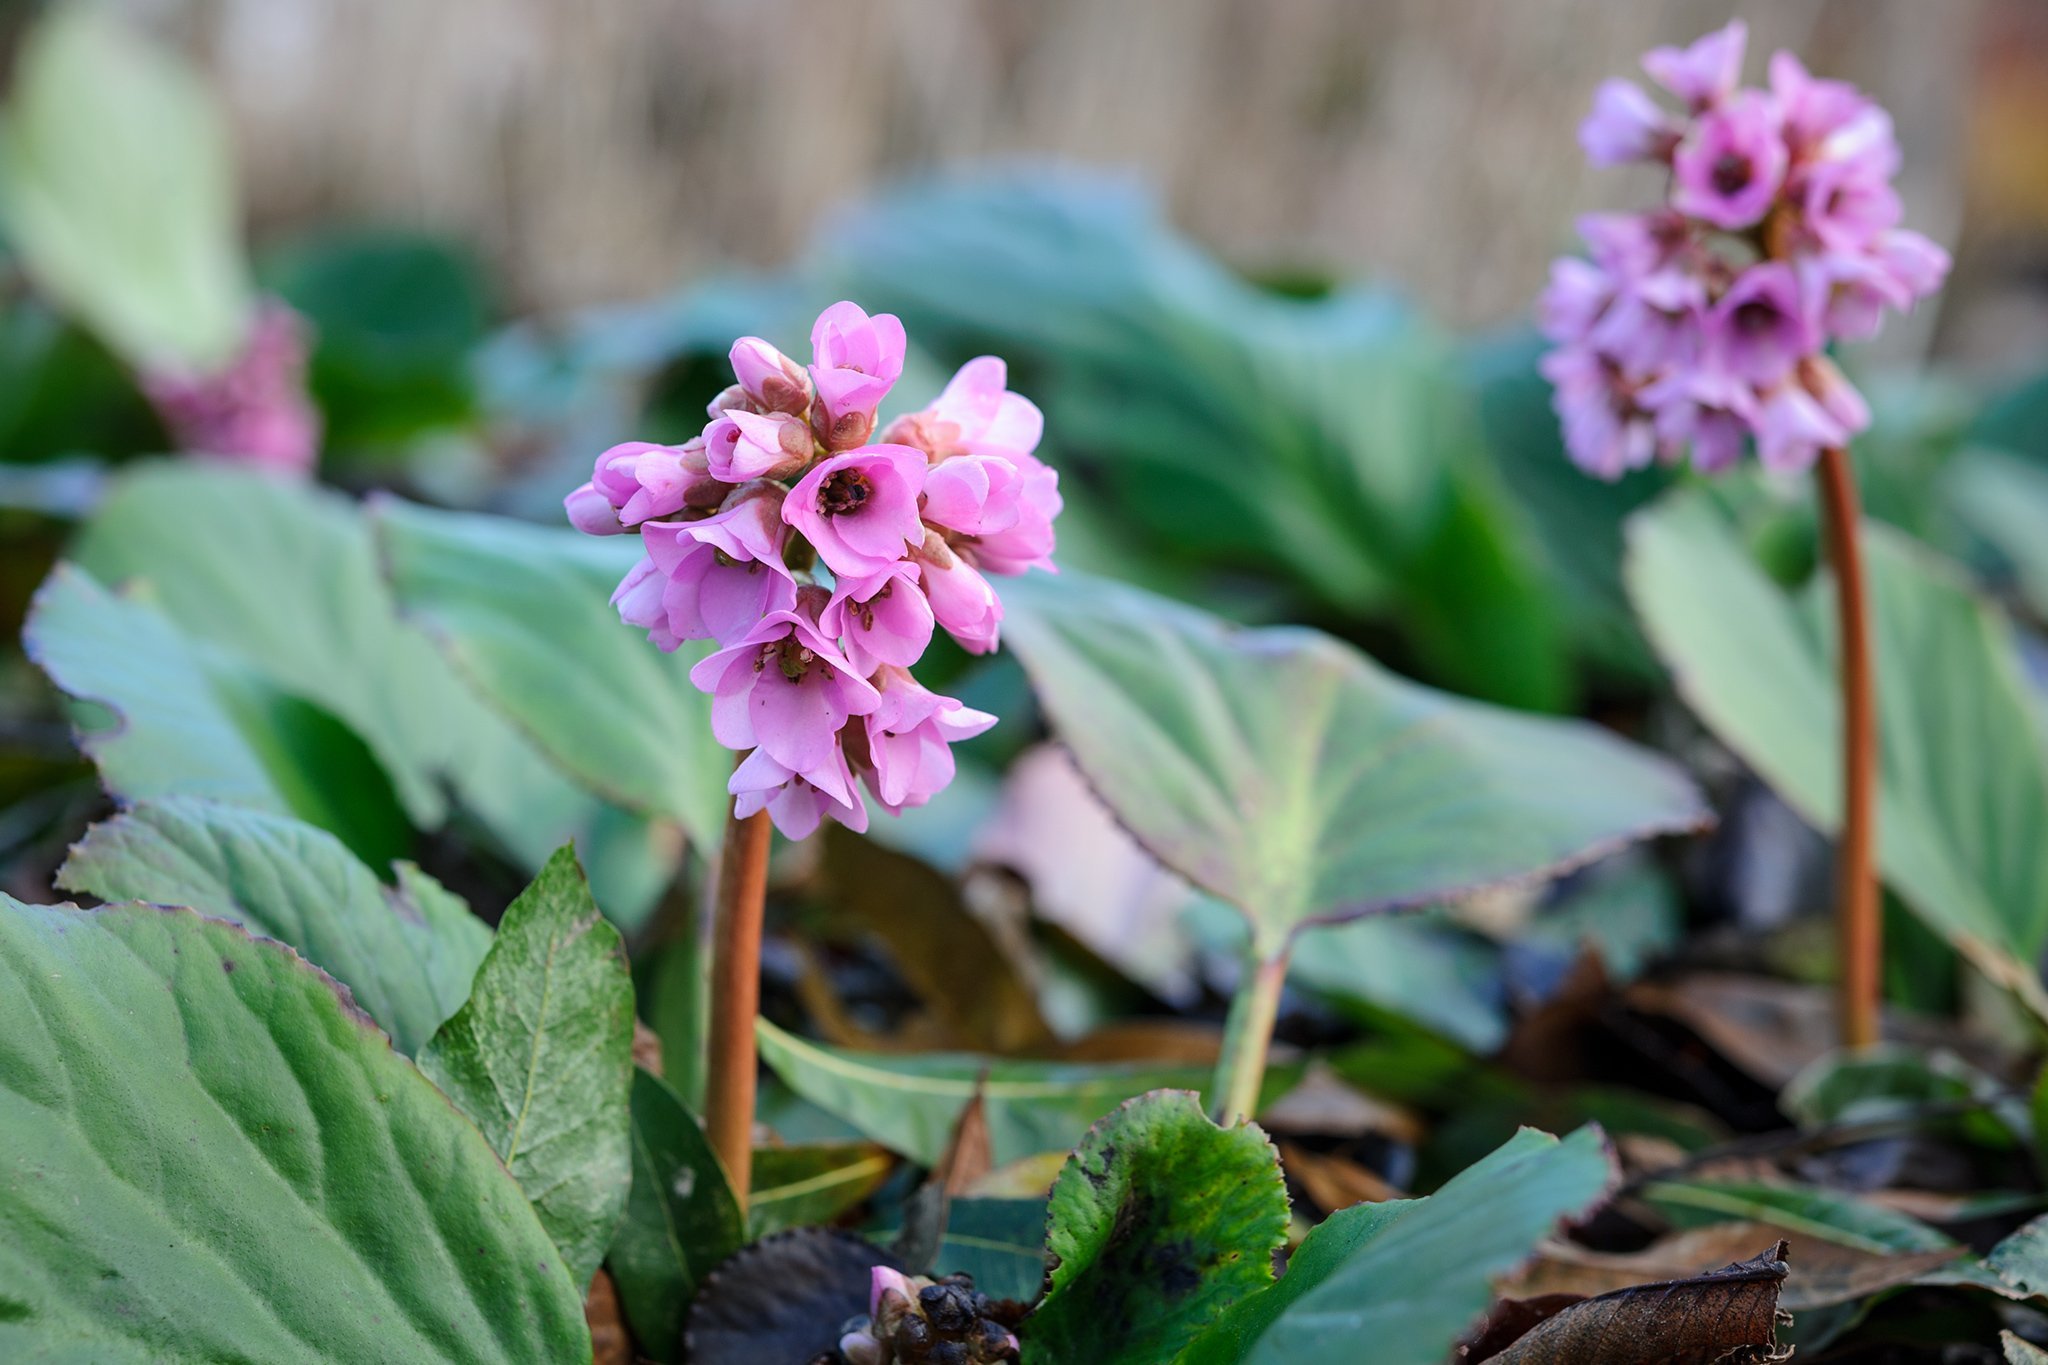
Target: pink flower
point(1917, 264)
point(256, 410)
point(1846, 293)
point(1759, 329)
point(882, 618)
point(1837, 397)
point(771, 379)
point(855, 361)
point(1729, 166)
point(1812, 108)
point(909, 738)
point(1703, 74)
point(1605, 432)
point(1626, 125)
point(640, 481)
point(975, 415)
point(591, 512)
point(1027, 543)
point(1653, 323)
point(1706, 411)
point(860, 508)
point(741, 445)
point(974, 495)
point(725, 572)
point(638, 598)
point(1845, 207)
point(1630, 244)
point(1793, 428)
point(786, 688)
point(797, 804)
point(962, 600)
point(883, 1281)
point(1578, 293)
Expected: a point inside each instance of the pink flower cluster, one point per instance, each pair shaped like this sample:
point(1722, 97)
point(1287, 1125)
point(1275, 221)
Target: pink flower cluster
point(1704, 322)
point(257, 409)
point(821, 556)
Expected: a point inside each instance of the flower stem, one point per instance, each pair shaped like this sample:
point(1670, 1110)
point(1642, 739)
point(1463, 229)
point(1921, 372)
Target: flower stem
point(736, 996)
point(1856, 875)
point(1241, 1069)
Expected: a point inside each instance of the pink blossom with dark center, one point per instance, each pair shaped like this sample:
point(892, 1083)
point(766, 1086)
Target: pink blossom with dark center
point(910, 738)
point(1701, 325)
point(860, 509)
point(725, 572)
point(856, 360)
point(786, 688)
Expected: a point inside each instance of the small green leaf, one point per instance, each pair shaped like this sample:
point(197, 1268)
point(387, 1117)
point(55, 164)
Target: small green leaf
point(812, 1183)
point(1000, 1242)
point(210, 1155)
point(407, 954)
point(541, 1057)
point(117, 186)
point(681, 1219)
point(1158, 1222)
point(910, 1103)
point(1410, 1277)
point(1295, 778)
point(524, 612)
point(1960, 734)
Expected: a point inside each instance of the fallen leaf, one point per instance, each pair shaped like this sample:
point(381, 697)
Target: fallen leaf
point(1822, 1273)
point(1326, 1105)
point(610, 1342)
point(1725, 1317)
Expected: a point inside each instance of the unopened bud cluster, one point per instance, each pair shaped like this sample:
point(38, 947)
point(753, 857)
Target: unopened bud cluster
point(1704, 323)
point(916, 1321)
point(821, 555)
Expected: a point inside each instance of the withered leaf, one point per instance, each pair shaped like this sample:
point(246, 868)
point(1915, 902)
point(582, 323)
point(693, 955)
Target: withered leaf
point(1822, 1273)
point(1725, 1317)
point(783, 1300)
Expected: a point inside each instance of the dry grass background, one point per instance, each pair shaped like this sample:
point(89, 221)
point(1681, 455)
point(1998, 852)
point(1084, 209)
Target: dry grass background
point(605, 149)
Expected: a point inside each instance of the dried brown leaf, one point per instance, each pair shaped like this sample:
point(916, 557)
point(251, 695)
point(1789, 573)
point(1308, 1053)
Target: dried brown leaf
point(1725, 1317)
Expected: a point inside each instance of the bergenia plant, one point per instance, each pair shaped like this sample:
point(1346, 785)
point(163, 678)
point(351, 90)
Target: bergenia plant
point(820, 552)
point(1700, 328)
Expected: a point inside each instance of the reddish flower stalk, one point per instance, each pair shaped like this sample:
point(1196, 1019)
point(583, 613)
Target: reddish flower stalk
point(1858, 913)
point(736, 996)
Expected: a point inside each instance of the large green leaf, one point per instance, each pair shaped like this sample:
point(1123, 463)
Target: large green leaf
point(2005, 500)
point(407, 953)
point(1410, 1277)
point(524, 611)
point(541, 1056)
point(910, 1103)
point(1295, 778)
point(1963, 801)
point(211, 1156)
point(189, 720)
point(117, 187)
point(682, 1217)
point(283, 579)
point(1159, 1222)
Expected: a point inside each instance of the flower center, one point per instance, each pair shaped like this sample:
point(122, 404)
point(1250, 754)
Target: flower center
point(1755, 318)
point(793, 657)
point(846, 491)
point(1731, 173)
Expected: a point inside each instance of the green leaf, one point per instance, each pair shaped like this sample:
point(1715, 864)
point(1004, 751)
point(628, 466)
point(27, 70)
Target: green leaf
point(910, 1103)
point(681, 1217)
point(812, 1183)
point(283, 579)
point(117, 186)
point(1416, 966)
point(212, 1156)
point(187, 720)
point(2004, 500)
point(1411, 1277)
point(1959, 736)
point(524, 611)
point(1000, 1242)
point(1300, 781)
point(1159, 1222)
point(541, 1056)
point(406, 953)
